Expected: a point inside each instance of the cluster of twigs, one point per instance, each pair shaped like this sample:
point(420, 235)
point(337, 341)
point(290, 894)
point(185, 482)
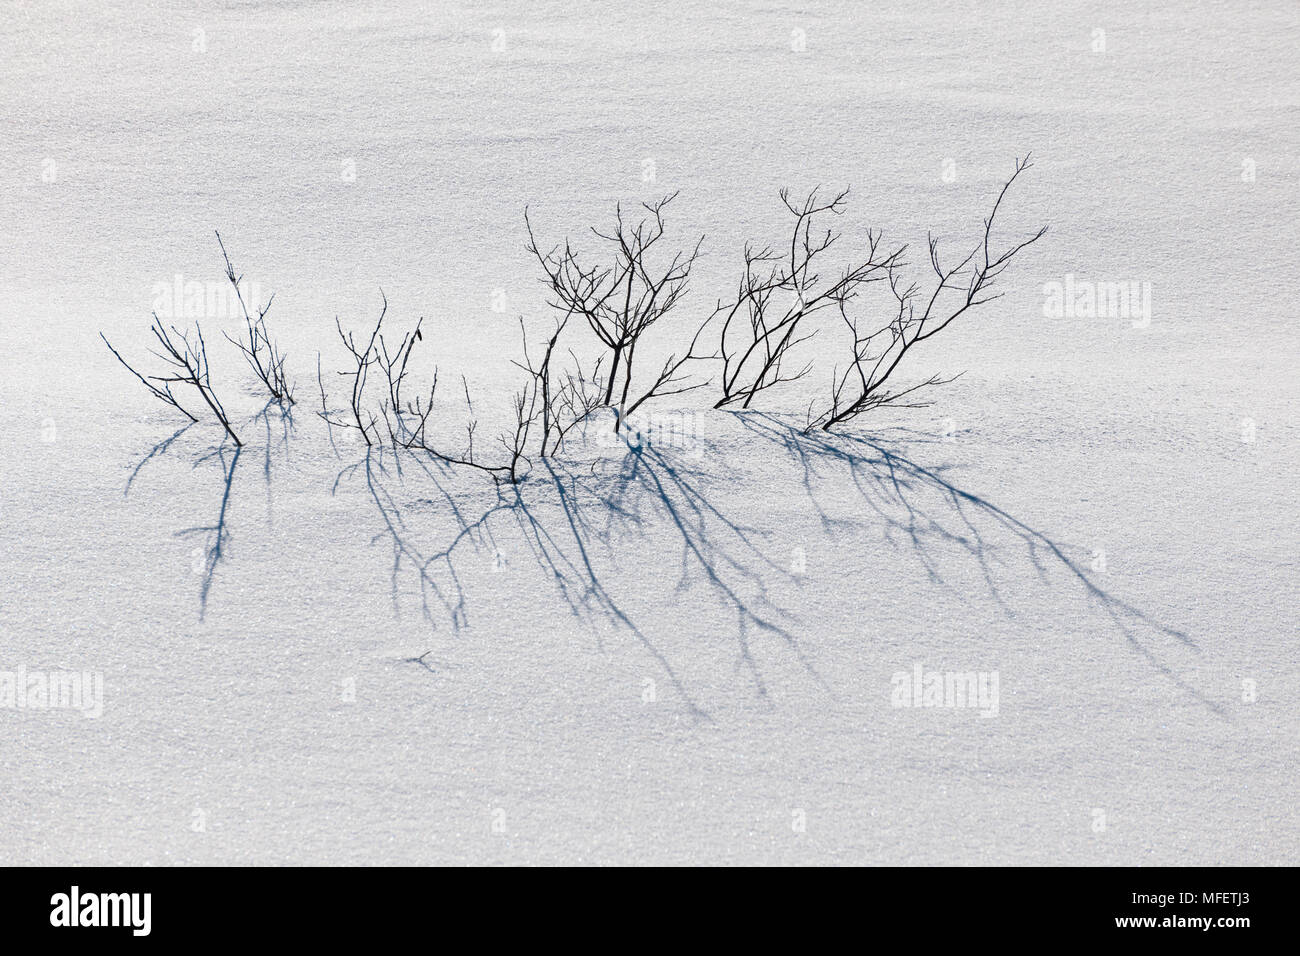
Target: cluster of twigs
point(552, 401)
point(621, 300)
point(780, 291)
point(263, 355)
point(878, 350)
point(751, 339)
point(187, 362)
point(185, 355)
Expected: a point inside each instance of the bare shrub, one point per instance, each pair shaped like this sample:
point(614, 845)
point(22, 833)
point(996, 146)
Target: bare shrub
point(188, 361)
point(779, 291)
point(395, 364)
point(878, 350)
point(363, 420)
point(260, 350)
point(552, 402)
point(622, 298)
point(620, 295)
point(410, 424)
point(566, 397)
point(163, 393)
point(418, 437)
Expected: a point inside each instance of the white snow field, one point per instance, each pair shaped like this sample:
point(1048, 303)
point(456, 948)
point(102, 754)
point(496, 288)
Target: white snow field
point(690, 652)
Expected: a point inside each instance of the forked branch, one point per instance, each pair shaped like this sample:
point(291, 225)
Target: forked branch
point(877, 351)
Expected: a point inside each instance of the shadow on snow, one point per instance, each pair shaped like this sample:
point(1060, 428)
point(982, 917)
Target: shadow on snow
point(573, 518)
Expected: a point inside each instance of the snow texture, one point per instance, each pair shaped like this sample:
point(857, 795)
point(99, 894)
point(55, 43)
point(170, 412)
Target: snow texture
point(687, 652)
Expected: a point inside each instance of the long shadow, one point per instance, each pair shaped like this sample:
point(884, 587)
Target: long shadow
point(548, 513)
point(158, 451)
point(406, 548)
point(883, 475)
point(574, 523)
point(570, 521)
point(216, 534)
point(277, 439)
point(717, 551)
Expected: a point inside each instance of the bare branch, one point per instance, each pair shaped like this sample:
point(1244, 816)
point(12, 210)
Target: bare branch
point(876, 354)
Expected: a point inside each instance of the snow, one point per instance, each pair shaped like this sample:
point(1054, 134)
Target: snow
point(603, 694)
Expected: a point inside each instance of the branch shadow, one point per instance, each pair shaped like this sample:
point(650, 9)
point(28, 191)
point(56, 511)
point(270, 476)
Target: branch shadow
point(572, 522)
point(573, 519)
point(548, 514)
point(884, 473)
point(217, 534)
point(158, 451)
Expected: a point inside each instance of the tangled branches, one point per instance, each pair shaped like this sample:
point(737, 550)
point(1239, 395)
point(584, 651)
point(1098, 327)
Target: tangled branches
point(593, 356)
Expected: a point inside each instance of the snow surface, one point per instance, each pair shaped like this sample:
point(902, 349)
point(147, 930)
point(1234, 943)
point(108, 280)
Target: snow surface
point(625, 663)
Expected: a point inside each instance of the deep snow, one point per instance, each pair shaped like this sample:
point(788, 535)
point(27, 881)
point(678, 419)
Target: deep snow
point(691, 675)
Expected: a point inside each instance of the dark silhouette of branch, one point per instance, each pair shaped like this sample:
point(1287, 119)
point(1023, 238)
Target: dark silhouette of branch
point(260, 350)
point(622, 298)
point(188, 361)
point(362, 420)
point(877, 351)
point(163, 394)
point(778, 292)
